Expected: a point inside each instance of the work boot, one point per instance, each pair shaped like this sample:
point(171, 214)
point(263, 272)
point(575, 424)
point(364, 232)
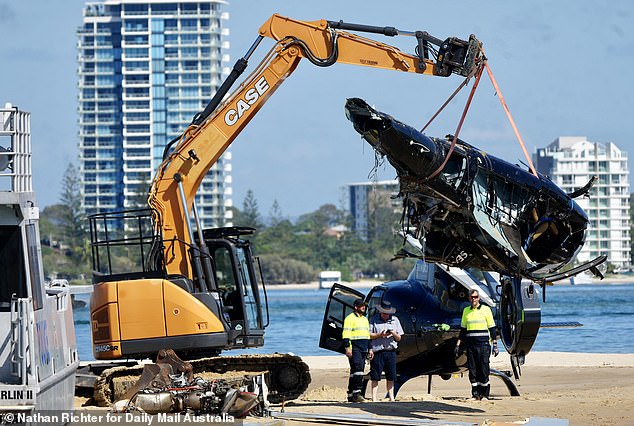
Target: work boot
point(486, 391)
point(357, 398)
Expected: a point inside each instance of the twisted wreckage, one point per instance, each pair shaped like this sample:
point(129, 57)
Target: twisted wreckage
point(465, 208)
point(170, 386)
point(466, 215)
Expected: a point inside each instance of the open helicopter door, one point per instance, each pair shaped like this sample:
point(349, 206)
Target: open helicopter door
point(340, 305)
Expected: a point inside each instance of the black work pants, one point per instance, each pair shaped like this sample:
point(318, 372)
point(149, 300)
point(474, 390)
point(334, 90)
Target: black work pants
point(357, 363)
point(478, 354)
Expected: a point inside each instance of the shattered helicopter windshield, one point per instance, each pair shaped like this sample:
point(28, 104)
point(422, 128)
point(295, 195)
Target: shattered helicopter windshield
point(497, 205)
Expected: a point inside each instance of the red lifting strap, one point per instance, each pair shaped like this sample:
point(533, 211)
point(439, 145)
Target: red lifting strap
point(478, 74)
point(464, 115)
point(510, 117)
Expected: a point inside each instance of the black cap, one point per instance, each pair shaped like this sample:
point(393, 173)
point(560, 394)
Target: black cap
point(359, 302)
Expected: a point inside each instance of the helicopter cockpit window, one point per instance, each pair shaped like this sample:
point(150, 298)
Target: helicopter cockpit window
point(374, 300)
point(452, 295)
point(454, 170)
point(496, 203)
point(419, 272)
point(545, 236)
point(500, 199)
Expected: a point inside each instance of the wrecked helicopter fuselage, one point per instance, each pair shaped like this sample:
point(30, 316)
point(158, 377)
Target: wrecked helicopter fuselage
point(477, 210)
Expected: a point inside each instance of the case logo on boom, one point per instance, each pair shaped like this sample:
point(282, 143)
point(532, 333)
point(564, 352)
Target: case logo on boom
point(243, 105)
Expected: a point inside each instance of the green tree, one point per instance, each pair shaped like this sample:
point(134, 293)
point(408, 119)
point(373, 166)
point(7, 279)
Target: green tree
point(325, 217)
point(250, 214)
point(281, 270)
point(52, 220)
point(238, 218)
point(276, 214)
point(72, 215)
point(279, 239)
point(62, 258)
point(296, 252)
point(397, 269)
point(62, 227)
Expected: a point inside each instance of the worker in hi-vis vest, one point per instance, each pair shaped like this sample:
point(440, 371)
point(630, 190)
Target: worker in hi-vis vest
point(356, 341)
point(477, 330)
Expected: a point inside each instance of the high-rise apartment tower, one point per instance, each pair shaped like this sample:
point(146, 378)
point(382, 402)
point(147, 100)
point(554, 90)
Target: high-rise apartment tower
point(365, 198)
point(145, 69)
point(571, 162)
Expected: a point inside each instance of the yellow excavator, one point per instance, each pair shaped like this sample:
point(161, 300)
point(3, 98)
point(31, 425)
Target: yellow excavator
point(198, 291)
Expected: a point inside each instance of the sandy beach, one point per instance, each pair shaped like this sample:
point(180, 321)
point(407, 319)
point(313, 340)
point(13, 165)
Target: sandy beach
point(556, 389)
point(584, 389)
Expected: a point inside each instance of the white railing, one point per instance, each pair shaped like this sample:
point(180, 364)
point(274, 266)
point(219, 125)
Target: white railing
point(15, 159)
point(22, 351)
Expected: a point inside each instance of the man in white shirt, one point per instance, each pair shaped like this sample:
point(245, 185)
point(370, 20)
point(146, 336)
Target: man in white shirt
point(385, 332)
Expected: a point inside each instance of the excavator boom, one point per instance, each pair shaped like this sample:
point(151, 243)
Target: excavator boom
point(323, 43)
point(196, 291)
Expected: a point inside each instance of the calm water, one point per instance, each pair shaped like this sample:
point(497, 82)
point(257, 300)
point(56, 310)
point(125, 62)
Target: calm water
point(606, 312)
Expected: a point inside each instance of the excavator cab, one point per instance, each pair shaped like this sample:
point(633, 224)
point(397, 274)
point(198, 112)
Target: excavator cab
point(237, 281)
point(138, 308)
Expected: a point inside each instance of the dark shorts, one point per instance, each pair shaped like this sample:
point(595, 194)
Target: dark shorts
point(383, 361)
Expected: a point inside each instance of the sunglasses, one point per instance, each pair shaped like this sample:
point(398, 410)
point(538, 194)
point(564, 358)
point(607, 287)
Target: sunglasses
point(475, 297)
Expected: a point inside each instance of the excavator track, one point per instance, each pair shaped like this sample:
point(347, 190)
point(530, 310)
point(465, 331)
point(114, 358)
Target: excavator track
point(288, 376)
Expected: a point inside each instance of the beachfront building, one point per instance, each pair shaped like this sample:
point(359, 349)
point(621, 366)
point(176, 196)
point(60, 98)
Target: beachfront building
point(364, 199)
point(571, 161)
point(145, 69)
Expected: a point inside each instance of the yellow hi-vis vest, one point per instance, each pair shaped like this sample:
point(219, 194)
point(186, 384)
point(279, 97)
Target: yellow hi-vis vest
point(356, 327)
point(477, 321)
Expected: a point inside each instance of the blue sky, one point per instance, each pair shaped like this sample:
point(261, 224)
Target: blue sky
point(564, 68)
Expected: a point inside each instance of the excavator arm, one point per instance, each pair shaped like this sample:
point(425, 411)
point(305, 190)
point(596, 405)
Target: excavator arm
point(174, 301)
point(323, 43)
